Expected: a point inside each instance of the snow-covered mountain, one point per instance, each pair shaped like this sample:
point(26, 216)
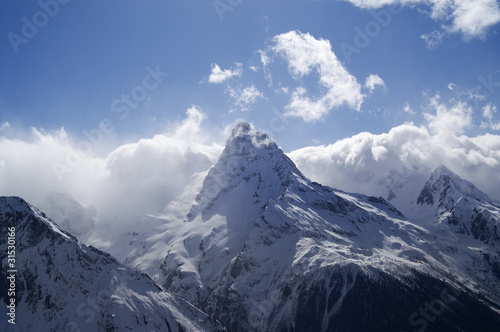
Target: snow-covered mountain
point(458, 212)
point(260, 247)
point(458, 205)
point(265, 249)
point(63, 285)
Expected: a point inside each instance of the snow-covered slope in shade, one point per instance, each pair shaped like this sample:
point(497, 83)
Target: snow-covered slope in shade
point(265, 249)
point(63, 285)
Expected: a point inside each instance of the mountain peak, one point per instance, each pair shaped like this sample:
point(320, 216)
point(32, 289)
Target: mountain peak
point(249, 157)
point(447, 187)
point(242, 128)
point(442, 169)
point(244, 139)
point(460, 205)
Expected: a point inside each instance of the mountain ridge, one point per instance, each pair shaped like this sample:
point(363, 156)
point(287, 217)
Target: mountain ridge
point(64, 285)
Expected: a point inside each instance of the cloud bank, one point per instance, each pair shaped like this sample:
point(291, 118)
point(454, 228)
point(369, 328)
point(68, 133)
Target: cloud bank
point(400, 161)
point(136, 178)
point(145, 176)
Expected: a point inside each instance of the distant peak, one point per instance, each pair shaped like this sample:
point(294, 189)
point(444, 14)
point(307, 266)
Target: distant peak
point(444, 184)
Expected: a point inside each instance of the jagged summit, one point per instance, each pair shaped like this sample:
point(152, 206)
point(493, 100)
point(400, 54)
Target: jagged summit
point(251, 160)
point(445, 187)
point(253, 147)
point(459, 205)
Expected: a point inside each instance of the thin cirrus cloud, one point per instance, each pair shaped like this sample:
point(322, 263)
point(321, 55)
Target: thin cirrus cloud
point(471, 19)
point(305, 55)
point(243, 99)
point(217, 75)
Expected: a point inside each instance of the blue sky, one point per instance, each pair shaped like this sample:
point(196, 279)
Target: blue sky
point(84, 56)
point(92, 52)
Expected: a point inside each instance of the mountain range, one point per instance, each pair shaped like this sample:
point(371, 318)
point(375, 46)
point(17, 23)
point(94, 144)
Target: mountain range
point(254, 245)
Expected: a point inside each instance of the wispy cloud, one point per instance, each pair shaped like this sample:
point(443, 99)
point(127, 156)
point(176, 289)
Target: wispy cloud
point(488, 111)
point(218, 75)
point(408, 109)
point(4, 125)
point(372, 81)
point(243, 99)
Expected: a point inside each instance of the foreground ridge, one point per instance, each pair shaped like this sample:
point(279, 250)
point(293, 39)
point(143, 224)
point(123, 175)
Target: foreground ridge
point(63, 285)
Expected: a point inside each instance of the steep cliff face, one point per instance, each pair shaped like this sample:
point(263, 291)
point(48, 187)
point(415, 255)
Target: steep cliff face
point(63, 285)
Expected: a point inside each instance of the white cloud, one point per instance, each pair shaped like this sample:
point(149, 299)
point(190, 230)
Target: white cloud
point(372, 81)
point(305, 55)
point(401, 160)
point(264, 58)
point(488, 112)
point(448, 121)
point(243, 99)
point(408, 109)
point(218, 75)
point(141, 177)
point(470, 18)
point(5, 125)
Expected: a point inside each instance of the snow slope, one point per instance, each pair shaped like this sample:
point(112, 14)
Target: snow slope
point(63, 285)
